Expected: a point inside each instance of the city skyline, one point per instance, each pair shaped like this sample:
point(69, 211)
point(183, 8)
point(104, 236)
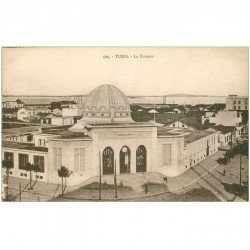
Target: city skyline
point(137, 71)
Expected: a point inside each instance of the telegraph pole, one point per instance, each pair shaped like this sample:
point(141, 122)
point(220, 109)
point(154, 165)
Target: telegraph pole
point(116, 196)
point(100, 177)
point(20, 192)
point(240, 169)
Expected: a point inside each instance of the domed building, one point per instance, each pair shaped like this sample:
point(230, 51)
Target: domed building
point(106, 141)
point(106, 104)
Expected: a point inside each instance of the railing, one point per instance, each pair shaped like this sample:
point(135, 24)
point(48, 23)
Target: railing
point(20, 193)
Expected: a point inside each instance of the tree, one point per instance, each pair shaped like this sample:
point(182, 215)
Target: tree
point(63, 172)
point(241, 149)
point(7, 164)
point(29, 167)
point(36, 169)
point(223, 161)
point(229, 155)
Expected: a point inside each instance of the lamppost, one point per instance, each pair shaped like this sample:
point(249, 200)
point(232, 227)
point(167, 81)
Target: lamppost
point(115, 182)
point(153, 111)
point(100, 177)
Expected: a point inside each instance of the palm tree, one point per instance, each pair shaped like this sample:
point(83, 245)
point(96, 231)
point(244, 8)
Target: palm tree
point(229, 155)
point(36, 169)
point(7, 164)
point(29, 167)
point(63, 172)
point(223, 161)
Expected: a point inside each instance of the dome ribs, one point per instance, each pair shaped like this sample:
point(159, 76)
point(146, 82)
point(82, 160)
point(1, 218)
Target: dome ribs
point(111, 96)
point(106, 104)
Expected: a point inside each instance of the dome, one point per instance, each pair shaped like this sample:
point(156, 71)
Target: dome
point(106, 103)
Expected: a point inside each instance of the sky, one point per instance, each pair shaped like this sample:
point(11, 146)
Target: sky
point(146, 71)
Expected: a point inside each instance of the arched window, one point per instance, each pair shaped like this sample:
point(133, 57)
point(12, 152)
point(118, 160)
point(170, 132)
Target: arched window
point(141, 159)
point(108, 161)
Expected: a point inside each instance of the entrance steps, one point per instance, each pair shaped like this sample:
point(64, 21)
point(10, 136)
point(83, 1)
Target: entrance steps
point(135, 181)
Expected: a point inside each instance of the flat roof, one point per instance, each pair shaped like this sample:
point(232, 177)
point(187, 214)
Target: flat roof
point(55, 130)
point(64, 133)
point(196, 135)
point(20, 130)
point(120, 125)
point(23, 145)
point(169, 132)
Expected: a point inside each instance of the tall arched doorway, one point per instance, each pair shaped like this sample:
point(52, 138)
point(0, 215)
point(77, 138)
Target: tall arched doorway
point(108, 160)
point(125, 160)
point(141, 159)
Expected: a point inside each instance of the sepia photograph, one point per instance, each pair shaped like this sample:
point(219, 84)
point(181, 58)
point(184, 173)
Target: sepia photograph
point(157, 124)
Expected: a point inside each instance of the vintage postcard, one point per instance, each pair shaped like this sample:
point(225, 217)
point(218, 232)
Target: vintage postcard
point(124, 124)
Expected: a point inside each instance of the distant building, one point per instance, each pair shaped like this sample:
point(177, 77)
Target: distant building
point(234, 102)
point(56, 111)
point(37, 102)
point(23, 115)
point(228, 134)
point(68, 104)
point(13, 104)
point(71, 111)
point(26, 114)
point(62, 121)
point(176, 110)
point(180, 125)
point(225, 118)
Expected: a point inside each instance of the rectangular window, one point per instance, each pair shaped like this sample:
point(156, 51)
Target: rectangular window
point(239, 107)
point(57, 158)
point(166, 154)
point(23, 159)
point(79, 159)
point(8, 156)
point(39, 160)
point(245, 107)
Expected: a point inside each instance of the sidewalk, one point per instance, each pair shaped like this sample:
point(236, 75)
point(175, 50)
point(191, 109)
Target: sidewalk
point(206, 174)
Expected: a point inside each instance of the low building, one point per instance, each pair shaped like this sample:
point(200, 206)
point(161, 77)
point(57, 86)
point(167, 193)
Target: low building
point(23, 115)
point(235, 102)
point(22, 134)
point(26, 114)
point(72, 111)
point(21, 153)
point(56, 111)
point(12, 104)
point(228, 135)
point(176, 110)
point(38, 102)
point(198, 146)
point(225, 118)
point(61, 121)
point(180, 125)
